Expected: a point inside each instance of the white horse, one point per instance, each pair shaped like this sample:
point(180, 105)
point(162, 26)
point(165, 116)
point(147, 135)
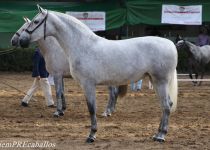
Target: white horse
point(94, 60)
point(52, 52)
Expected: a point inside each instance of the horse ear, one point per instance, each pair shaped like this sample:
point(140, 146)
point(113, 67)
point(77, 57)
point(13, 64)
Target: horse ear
point(41, 10)
point(24, 18)
point(28, 20)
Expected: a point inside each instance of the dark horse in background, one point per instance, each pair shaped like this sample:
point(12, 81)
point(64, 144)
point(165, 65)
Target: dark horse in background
point(198, 58)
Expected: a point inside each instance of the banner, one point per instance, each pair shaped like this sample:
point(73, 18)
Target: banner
point(185, 15)
point(94, 20)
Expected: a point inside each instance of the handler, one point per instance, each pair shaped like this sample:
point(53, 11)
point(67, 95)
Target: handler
point(40, 75)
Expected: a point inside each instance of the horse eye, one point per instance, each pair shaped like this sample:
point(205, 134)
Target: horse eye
point(36, 21)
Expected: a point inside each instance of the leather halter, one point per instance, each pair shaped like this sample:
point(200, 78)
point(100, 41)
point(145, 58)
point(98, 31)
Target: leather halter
point(43, 21)
point(17, 34)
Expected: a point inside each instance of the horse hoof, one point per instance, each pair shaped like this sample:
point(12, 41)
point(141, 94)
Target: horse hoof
point(90, 140)
point(61, 113)
point(158, 139)
point(105, 114)
point(58, 114)
point(24, 104)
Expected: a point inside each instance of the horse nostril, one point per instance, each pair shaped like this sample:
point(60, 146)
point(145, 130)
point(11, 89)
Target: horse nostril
point(14, 43)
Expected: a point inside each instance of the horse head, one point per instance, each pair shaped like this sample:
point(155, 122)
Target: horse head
point(181, 44)
point(15, 37)
point(36, 29)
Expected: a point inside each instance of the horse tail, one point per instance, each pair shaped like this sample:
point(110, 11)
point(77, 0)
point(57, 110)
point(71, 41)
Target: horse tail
point(173, 90)
point(122, 90)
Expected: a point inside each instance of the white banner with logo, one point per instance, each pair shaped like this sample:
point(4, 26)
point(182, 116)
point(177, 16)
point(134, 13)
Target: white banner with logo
point(186, 15)
point(94, 20)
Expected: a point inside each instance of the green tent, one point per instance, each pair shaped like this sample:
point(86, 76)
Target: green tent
point(11, 13)
point(118, 12)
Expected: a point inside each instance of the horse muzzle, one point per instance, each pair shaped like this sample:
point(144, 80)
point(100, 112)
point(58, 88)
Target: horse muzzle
point(24, 42)
point(14, 42)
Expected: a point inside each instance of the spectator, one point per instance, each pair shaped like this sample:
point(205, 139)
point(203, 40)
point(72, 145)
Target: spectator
point(203, 38)
point(136, 86)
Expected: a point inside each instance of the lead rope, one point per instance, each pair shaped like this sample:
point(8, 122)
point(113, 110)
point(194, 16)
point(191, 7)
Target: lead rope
point(8, 51)
point(17, 89)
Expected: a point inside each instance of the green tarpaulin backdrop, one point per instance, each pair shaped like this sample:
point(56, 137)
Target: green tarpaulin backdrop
point(118, 12)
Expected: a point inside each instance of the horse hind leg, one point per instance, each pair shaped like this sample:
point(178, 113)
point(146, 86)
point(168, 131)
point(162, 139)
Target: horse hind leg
point(202, 74)
point(166, 104)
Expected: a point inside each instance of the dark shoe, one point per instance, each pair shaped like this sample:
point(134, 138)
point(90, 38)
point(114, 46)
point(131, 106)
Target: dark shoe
point(51, 106)
point(24, 104)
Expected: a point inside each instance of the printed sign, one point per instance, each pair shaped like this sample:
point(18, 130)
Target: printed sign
point(186, 15)
point(94, 20)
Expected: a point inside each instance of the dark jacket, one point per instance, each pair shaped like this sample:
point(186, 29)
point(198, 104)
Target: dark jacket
point(39, 68)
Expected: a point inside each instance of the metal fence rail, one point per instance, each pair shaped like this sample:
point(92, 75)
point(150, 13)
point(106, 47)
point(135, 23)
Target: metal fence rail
point(190, 80)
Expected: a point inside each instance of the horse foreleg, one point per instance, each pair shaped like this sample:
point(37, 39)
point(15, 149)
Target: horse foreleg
point(63, 97)
point(90, 95)
point(196, 77)
point(59, 92)
point(166, 104)
point(113, 94)
point(202, 74)
point(191, 77)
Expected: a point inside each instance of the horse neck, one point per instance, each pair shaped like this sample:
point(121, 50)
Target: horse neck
point(191, 46)
point(71, 34)
point(43, 47)
point(50, 52)
point(48, 49)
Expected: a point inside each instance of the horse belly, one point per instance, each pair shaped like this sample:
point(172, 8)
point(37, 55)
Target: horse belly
point(120, 76)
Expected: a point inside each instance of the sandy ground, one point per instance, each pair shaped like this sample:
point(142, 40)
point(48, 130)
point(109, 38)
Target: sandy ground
point(130, 127)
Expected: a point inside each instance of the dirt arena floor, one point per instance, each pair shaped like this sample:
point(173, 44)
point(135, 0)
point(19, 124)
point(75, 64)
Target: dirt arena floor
point(131, 127)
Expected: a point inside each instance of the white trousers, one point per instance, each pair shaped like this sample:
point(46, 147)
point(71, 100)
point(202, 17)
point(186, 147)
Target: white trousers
point(46, 88)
